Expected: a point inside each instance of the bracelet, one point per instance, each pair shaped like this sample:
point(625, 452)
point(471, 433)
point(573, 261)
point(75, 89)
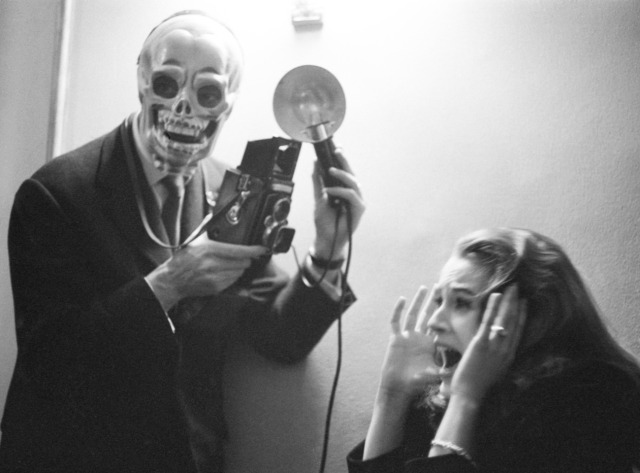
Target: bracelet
point(325, 263)
point(307, 278)
point(452, 447)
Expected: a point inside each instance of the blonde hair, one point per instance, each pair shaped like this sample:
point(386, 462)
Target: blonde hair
point(563, 319)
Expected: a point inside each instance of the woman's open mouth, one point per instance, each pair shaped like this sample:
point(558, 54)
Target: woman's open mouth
point(447, 359)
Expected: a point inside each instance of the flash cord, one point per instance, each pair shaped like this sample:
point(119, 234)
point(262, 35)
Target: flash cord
point(200, 229)
point(343, 287)
point(137, 191)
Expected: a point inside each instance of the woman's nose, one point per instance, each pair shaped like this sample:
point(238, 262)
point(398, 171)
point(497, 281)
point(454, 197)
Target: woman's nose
point(438, 321)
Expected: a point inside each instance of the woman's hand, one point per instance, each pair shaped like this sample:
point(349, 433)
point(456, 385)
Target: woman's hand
point(407, 369)
point(409, 365)
point(493, 348)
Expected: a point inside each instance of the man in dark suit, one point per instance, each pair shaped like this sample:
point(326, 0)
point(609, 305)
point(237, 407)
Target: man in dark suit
point(121, 323)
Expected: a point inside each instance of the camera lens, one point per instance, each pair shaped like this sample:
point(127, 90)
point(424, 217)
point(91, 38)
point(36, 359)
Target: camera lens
point(281, 209)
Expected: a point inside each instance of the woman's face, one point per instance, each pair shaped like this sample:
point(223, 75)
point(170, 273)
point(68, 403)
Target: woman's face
point(458, 305)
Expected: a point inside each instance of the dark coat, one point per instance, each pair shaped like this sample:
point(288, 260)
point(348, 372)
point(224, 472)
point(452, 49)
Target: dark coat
point(94, 387)
point(585, 419)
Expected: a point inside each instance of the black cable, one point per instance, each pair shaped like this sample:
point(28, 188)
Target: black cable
point(327, 428)
point(341, 307)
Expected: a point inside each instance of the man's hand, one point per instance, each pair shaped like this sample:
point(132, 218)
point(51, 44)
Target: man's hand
point(325, 214)
point(203, 268)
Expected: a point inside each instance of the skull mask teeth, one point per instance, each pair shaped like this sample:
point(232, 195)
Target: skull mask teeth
point(189, 133)
point(187, 77)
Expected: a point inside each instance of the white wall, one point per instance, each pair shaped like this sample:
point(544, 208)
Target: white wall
point(27, 40)
point(460, 115)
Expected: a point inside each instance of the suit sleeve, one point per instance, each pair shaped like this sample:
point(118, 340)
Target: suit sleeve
point(68, 315)
point(281, 317)
point(295, 322)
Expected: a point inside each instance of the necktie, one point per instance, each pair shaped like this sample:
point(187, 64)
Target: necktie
point(172, 208)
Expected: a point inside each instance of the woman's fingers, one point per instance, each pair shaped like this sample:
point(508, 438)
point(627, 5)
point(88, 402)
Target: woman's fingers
point(425, 315)
point(490, 314)
point(504, 319)
point(503, 324)
point(414, 309)
point(521, 321)
point(415, 318)
point(397, 315)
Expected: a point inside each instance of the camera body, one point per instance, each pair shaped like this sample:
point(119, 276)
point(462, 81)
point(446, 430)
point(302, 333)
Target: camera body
point(255, 198)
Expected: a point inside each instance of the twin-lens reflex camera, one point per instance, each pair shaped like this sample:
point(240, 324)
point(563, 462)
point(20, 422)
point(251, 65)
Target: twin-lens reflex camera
point(255, 199)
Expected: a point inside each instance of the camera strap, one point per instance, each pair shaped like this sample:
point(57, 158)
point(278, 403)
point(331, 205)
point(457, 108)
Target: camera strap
point(214, 210)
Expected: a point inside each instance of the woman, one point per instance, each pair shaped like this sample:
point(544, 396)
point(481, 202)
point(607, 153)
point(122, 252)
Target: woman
point(509, 368)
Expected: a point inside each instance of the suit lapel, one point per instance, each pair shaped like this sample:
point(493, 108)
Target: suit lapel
point(118, 197)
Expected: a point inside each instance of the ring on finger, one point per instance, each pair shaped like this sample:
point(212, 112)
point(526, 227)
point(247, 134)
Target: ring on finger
point(499, 330)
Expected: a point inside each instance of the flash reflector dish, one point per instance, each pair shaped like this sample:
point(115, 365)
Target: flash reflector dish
point(309, 104)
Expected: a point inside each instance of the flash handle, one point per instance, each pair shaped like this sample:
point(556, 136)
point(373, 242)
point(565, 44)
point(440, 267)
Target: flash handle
point(325, 153)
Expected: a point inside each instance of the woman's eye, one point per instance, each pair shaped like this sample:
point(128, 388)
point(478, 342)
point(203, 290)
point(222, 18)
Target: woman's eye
point(463, 304)
point(437, 301)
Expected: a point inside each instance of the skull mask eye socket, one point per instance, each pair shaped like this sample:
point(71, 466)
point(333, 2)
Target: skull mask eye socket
point(165, 86)
point(209, 96)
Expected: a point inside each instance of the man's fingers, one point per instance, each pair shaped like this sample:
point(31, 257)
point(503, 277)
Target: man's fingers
point(232, 251)
point(349, 180)
point(342, 161)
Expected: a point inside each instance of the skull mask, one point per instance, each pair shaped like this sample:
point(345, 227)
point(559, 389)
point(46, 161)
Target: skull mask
point(188, 75)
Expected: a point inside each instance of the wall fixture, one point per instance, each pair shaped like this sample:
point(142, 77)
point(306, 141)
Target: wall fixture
point(307, 14)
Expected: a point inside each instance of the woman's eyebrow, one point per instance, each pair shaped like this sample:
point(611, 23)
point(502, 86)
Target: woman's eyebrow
point(465, 290)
